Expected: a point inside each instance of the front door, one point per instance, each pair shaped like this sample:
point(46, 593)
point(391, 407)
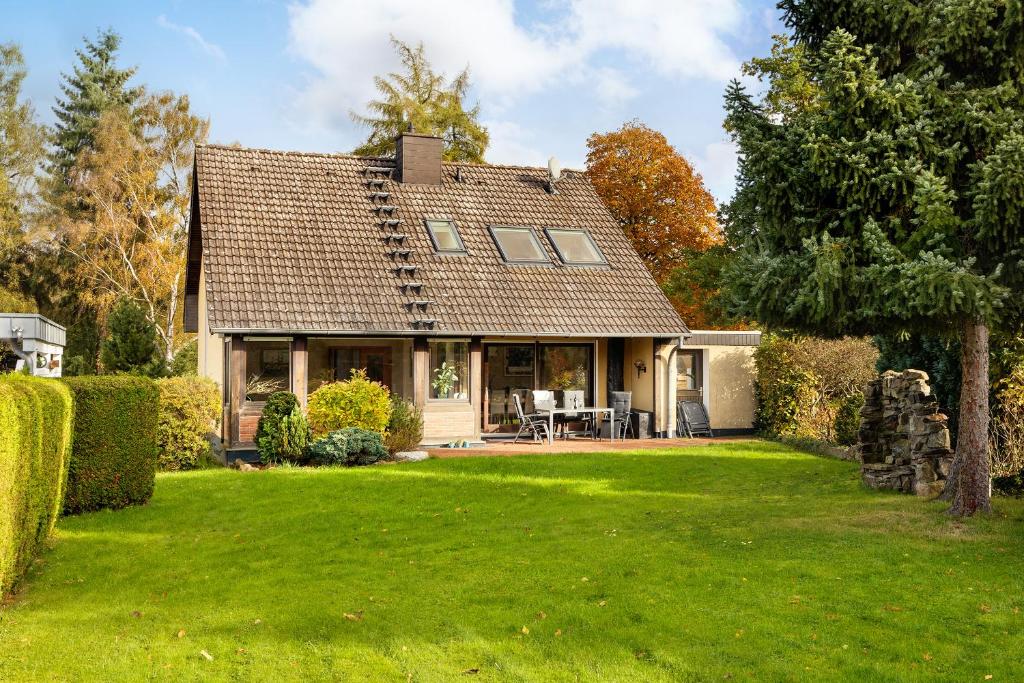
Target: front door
point(376, 361)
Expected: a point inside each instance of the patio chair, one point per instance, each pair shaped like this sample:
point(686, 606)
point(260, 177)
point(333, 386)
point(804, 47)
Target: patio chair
point(573, 398)
point(692, 419)
point(622, 403)
point(533, 424)
point(499, 407)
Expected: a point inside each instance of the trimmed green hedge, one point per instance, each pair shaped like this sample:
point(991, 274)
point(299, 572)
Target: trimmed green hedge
point(114, 452)
point(35, 423)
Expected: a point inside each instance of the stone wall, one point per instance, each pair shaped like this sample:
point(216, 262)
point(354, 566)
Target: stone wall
point(904, 441)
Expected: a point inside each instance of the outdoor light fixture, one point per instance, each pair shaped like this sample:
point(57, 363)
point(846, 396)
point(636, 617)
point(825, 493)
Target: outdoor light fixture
point(640, 366)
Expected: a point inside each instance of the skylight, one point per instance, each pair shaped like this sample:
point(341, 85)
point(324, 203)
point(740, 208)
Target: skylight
point(518, 244)
point(445, 236)
point(575, 247)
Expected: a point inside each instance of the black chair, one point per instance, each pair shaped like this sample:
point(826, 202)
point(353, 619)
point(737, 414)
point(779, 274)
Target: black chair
point(534, 424)
point(692, 419)
point(622, 404)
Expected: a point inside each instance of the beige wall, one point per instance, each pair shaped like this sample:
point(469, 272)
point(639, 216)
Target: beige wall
point(665, 390)
point(729, 376)
point(211, 346)
point(642, 386)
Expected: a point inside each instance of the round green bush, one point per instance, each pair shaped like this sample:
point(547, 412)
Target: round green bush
point(356, 402)
point(351, 446)
point(189, 410)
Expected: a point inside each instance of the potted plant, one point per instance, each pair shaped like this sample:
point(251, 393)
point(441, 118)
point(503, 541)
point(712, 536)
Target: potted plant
point(446, 377)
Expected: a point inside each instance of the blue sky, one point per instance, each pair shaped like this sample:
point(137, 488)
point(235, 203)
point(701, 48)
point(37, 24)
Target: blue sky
point(547, 74)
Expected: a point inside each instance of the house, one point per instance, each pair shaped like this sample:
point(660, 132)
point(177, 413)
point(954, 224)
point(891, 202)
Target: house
point(456, 285)
point(36, 344)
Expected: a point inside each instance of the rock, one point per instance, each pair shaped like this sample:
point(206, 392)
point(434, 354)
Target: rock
point(411, 456)
point(904, 439)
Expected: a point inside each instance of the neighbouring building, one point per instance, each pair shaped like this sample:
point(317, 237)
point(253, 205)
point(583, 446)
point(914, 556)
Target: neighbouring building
point(35, 342)
point(717, 368)
point(303, 267)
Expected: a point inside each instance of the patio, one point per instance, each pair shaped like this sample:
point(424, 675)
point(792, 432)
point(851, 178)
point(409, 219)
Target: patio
point(561, 446)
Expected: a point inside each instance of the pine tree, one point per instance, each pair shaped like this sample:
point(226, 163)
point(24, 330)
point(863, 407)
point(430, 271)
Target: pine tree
point(880, 185)
point(95, 86)
point(131, 345)
point(421, 98)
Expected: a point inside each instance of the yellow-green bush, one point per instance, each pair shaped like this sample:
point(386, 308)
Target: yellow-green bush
point(35, 426)
point(114, 448)
point(189, 409)
point(356, 402)
point(810, 388)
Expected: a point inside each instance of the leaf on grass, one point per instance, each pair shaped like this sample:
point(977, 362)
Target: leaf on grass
point(137, 614)
point(542, 615)
point(181, 633)
point(526, 631)
point(257, 622)
point(893, 608)
point(602, 603)
point(358, 616)
point(471, 672)
point(558, 633)
point(927, 656)
point(206, 655)
point(984, 609)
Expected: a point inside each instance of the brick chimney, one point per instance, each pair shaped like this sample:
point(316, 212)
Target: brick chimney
point(418, 158)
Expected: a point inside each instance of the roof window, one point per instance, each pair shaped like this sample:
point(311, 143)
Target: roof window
point(445, 236)
point(575, 247)
point(518, 244)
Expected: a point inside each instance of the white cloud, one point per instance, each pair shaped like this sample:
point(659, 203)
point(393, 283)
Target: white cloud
point(206, 46)
point(717, 163)
point(346, 43)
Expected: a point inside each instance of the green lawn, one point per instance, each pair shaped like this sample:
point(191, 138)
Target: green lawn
point(745, 560)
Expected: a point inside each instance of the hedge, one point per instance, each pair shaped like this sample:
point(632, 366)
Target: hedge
point(189, 409)
point(35, 422)
point(114, 451)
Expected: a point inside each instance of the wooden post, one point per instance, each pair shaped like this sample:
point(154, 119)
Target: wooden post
point(300, 368)
point(236, 389)
point(420, 371)
point(476, 394)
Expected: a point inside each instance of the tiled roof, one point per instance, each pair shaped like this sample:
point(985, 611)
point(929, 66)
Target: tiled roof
point(292, 242)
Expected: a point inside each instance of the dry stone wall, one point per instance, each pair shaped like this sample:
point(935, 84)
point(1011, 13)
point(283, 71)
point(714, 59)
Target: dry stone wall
point(904, 440)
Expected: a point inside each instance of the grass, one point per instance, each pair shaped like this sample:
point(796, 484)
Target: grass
point(745, 560)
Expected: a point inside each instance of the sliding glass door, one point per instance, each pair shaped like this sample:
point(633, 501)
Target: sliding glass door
point(516, 369)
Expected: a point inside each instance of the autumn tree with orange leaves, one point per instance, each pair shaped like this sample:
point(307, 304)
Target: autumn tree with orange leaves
point(661, 203)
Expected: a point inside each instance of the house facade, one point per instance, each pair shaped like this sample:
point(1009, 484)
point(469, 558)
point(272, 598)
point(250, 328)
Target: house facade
point(456, 285)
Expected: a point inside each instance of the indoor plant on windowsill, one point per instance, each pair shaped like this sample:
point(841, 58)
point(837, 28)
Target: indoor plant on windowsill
point(447, 376)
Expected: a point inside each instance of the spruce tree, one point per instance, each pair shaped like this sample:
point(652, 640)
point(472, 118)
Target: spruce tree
point(131, 345)
point(880, 180)
point(95, 86)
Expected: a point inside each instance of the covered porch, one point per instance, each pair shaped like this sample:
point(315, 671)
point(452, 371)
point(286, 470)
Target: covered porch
point(463, 385)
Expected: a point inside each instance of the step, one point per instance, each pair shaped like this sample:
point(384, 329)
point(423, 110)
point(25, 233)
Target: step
point(395, 237)
point(378, 169)
point(405, 269)
point(406, 286)
point(391, 222)
point(400, 253)
point(383, 196)
point(375, 182)
point(385, 208)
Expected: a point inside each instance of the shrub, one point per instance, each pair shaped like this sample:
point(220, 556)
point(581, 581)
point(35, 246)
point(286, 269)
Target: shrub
point(189, 408)
point(114, 448)
point(356, 402)
point(350, 446)
point(131, 345)
point(186, 360)
point(35, 424)
point(405, 428)
point(812, 388)
point(279, 433)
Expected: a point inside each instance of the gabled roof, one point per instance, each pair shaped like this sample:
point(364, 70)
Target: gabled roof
point(293, 242)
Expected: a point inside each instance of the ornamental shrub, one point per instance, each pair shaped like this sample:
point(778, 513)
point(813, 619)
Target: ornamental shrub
point(355, 402)
point(35, 426)
point(189, 408)
point(349, 446)
point(131, 345)
point(186, 360)
point(271, 441)
point(114, 449)
point(405, 428)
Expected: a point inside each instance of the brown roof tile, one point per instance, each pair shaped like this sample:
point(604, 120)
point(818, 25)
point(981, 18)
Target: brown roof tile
point(291, 241)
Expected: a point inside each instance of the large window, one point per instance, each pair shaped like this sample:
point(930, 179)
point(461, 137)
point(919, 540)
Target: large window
point(445, 236)
point(266, 367)
point(688, 371)
point(575, 247)
point(449, 370)
point(518, 245)
point(567, 367)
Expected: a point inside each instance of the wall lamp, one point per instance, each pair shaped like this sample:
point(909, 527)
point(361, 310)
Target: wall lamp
point(640, 366)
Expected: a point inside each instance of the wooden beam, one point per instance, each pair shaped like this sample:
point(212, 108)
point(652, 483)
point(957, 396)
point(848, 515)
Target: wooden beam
point(476, 394)
point(420, 371)
point(300, 368)
point(236, 378)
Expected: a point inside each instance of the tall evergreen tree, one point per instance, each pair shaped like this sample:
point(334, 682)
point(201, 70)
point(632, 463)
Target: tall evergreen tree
point(880, 184)
point(423, 99)
point(131, 345)
point(95, 86)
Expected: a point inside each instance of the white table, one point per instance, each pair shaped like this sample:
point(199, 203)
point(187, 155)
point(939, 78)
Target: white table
point(551, 412)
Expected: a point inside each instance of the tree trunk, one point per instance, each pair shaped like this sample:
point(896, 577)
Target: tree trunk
point(968, 485)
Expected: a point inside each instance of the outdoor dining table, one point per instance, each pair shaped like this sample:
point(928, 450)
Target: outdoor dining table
point(551, 412)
